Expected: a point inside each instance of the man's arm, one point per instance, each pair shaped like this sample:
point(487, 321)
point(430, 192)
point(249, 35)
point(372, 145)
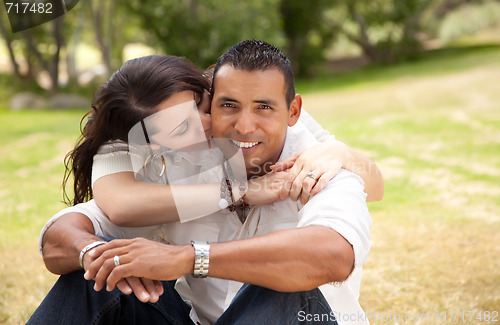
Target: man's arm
point(289, 260)
point(63, 241)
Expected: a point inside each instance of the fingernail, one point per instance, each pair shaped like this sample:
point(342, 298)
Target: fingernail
point(86, 275)
point(145, 296)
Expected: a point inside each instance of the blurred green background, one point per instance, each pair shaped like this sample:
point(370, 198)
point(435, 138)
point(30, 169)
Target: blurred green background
point(412, 84)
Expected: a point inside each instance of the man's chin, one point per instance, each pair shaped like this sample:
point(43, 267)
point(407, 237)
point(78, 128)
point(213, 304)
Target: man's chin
point(256, 166)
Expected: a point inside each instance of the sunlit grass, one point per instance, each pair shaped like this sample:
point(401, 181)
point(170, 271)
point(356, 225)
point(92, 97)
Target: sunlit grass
point(432, 126)
point(436, 138)
point(32, 148)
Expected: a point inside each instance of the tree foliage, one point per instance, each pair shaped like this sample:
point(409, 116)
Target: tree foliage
point(41, 49)
point(384, 30)
point(307, 35)
point(201, 30)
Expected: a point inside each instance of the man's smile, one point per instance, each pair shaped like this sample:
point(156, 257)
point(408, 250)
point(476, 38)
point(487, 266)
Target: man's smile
point(244, 144)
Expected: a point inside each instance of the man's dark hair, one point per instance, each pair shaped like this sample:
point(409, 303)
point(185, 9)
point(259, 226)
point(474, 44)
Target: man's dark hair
point(252, 55)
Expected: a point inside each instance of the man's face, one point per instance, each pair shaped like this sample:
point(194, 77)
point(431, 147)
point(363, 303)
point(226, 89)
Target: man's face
point(250, 109)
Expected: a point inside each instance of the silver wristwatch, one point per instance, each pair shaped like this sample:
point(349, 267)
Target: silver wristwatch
point(201, 258)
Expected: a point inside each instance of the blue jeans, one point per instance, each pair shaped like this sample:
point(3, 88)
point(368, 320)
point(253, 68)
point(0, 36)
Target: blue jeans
point(73, 301)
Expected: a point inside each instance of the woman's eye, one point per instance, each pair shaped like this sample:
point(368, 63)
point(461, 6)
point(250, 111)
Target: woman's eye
point(183, 128)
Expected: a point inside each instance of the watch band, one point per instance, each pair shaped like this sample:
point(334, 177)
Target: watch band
point(201, 258)
point(87, 248)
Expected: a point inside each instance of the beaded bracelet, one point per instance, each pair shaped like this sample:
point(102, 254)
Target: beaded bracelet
point(225, 195)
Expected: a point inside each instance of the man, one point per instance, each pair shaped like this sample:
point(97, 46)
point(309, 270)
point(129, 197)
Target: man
point(284, 251)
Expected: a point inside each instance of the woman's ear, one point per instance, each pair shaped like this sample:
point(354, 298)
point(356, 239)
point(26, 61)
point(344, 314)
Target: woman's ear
point(294, 110)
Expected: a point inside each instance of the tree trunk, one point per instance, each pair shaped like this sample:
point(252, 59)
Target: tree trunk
point(12, 57)
point(97, 17)
point(54, 66)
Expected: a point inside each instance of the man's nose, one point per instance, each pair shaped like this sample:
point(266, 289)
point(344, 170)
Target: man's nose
point(245, 123)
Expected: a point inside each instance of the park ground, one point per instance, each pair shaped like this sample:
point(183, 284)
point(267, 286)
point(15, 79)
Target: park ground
point(433, 127)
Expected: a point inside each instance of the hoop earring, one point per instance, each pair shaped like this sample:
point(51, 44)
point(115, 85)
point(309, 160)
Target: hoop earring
point(150, 162)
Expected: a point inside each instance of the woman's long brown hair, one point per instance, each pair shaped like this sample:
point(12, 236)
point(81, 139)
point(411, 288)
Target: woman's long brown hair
point(131, 94)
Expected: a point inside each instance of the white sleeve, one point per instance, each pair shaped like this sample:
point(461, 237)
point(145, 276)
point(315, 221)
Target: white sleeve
point(113, 157)
point(341, 206)
point(310, 123)
point(103, 227)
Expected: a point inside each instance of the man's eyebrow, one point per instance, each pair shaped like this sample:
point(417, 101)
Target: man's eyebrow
point(259, 101)
point(264, 101)
point(226, 99)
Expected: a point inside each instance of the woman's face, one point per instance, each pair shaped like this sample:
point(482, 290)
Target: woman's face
point(182, 120)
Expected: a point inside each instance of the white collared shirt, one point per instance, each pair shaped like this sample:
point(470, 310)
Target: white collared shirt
point(340, 206)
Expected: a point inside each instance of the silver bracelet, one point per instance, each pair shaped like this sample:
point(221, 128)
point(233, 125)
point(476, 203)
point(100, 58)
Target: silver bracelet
point(87, 248)
point(201, 259)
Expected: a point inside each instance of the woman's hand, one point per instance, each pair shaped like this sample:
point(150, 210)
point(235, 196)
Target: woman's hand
point(269, 188)
point(324, 161)
point(300, 176)
point(311, 169)
point(139, 258)
point(292, 182)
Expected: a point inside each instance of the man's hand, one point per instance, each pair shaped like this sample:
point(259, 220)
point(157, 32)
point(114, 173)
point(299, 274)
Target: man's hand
point(140, 258)
point(145, 290)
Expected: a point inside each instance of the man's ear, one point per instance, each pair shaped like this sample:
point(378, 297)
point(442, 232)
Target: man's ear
point(295, 109)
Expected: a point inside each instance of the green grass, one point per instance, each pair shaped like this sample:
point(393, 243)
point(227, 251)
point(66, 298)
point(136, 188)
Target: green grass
point(434, 129)
point(433, 126)
point(433, 63)
point(32, 148)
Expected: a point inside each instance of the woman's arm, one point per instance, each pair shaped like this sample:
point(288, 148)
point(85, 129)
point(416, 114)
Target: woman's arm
point(130, 203)
point(329, 157)
point(365, 168)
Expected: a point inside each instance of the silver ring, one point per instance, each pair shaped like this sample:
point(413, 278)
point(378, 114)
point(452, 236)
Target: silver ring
point(116, 259)
point(311, 174)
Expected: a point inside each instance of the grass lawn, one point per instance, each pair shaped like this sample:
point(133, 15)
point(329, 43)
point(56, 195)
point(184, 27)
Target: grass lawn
point(433, 126)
